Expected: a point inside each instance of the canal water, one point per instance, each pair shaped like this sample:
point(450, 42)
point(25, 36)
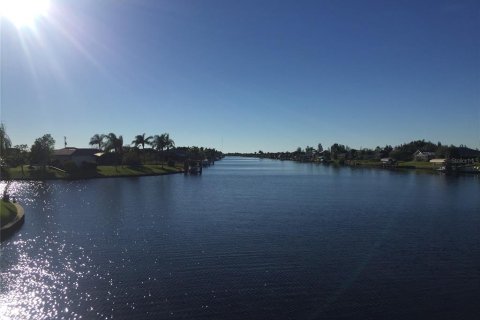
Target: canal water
point(248, 239)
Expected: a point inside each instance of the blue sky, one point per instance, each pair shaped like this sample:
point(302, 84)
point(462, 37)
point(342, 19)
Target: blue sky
point(246, 75)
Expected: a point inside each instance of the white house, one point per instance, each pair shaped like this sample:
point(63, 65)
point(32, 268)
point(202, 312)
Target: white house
point(423, 155)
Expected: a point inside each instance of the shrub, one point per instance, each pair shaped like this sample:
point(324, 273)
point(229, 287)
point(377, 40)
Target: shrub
point(4, 173)
point(70, 167)
point(89, 167)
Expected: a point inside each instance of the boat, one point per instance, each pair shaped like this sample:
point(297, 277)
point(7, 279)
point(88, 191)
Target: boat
point(459, 169)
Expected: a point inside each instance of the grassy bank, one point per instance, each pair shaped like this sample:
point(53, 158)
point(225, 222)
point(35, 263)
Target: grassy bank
point(420, 165)
point(7, 212)
point(367, 163)
point(149, 169)
point(400, 164)
point(417, 165)
point(37, 173)
point(100, 172)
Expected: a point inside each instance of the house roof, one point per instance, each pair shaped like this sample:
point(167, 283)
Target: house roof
point(75, 151)
point(425, 153)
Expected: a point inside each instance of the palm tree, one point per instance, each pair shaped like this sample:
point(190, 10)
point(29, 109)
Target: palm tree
point(141, 140)
point(97, 139)
point(158, 142)
point(110, 142)
point(169, 143)
point(5, 142)
point(119, 145)
point(114, 143)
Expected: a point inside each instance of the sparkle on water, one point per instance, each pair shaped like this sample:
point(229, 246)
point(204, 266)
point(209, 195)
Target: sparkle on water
point(285, 240)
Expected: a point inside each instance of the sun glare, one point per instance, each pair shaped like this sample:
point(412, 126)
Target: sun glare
point(23, 12)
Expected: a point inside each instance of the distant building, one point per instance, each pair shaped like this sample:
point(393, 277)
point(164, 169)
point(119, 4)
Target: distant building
point(388, 161)
point(423, 155)
point(438, 161)
point(76, 155)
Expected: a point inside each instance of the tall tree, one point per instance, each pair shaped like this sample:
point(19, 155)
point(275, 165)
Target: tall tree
point(21, 155)
point(5, 142)
point(42, 149)
point(142, 140)
point(158, 142)
point(337, 149)
point(116, 144)
point(113, 143)
point(97, 139)
point(169, 143)
point(309, 150)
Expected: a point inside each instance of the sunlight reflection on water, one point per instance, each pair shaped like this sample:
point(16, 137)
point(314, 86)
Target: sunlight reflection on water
point(40, 277)
point(34, 286)
point(291, 241)
point(23, 191)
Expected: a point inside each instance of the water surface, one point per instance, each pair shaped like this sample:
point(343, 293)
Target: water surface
point(249, 239)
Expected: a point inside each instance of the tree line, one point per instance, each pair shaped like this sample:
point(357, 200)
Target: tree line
point(403, 152)
point(112, 142)
point(115, 151)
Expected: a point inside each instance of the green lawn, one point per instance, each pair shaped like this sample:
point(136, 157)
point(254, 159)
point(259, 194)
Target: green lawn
point(400, 164)
point(102, 171)
point(367, 162)
point(7, 212)
point(36, 173)
point(417, 165)
point(149, 169)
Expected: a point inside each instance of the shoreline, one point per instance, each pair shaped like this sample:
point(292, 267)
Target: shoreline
point(99, 175)
point(10, 228)
point(425, 169)
point(96, 177)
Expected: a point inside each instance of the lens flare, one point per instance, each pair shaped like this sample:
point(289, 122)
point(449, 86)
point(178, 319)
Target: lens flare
point(24, 13)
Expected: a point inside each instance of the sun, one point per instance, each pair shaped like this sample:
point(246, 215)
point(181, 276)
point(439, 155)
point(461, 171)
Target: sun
point(23, 13)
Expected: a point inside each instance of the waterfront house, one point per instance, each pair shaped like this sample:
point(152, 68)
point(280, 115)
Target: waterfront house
point(423, 155)
point(75, 155)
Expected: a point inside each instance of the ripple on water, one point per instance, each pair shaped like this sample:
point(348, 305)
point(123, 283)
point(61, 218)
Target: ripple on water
point(42, 282)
